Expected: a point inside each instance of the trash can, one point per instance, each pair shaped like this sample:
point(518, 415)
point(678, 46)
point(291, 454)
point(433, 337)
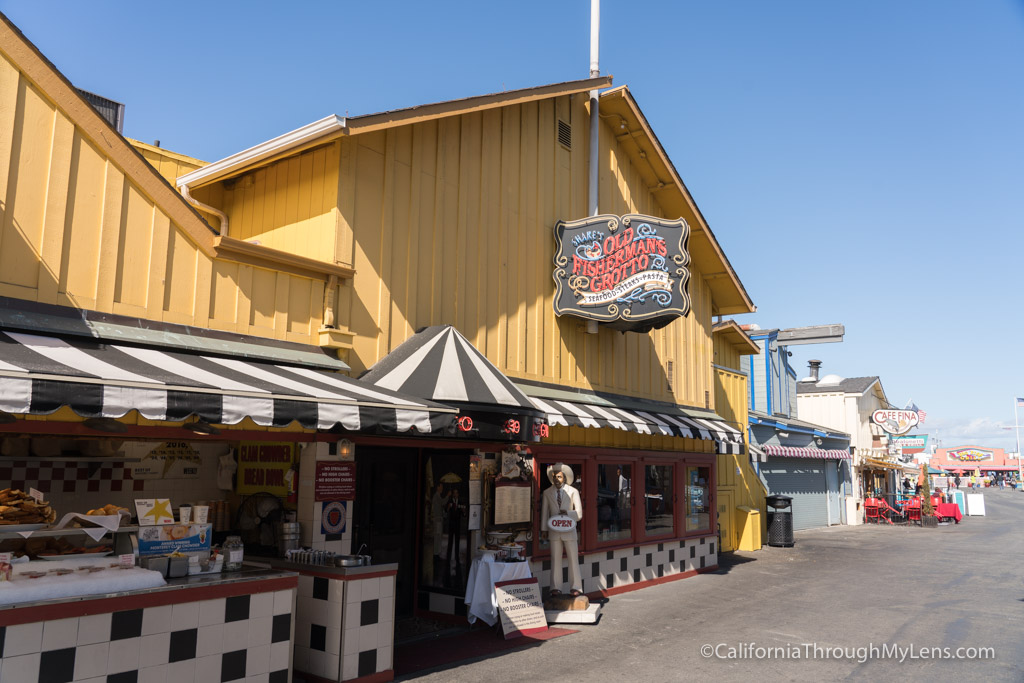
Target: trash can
point(780, 521)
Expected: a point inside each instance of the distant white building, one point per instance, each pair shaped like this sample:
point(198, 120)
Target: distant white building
point(846, 404)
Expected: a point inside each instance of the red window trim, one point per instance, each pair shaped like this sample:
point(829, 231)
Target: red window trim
point(588, 460)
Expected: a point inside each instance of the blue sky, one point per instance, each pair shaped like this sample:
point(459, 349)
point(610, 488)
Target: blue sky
point(860, 162)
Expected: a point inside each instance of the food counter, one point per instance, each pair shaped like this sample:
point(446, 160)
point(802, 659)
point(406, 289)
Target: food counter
point(344, 620)
point(216, 627)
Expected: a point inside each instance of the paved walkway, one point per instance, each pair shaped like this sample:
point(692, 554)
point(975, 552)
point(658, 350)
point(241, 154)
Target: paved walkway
point(844, 587)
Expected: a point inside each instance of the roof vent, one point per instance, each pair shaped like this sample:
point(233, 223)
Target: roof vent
point(110, 110)
point(564, 134)
point(815, 366)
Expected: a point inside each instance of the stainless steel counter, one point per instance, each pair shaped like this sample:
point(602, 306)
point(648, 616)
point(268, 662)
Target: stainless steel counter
point(340, 572)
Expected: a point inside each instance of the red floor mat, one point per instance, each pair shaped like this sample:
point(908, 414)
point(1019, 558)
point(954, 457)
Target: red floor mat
point(439, 652)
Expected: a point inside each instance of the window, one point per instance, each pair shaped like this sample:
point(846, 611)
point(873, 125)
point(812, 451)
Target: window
point(614, 508)
point(698, 498)
point(659, 508)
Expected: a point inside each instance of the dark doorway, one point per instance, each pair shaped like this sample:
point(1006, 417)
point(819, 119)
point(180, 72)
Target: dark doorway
point(385, 514)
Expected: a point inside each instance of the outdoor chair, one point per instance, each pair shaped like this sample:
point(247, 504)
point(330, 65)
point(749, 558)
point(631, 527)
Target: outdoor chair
point(914, 513)
point(871, 511)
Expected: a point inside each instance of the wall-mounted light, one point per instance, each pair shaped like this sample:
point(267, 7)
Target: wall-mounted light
point(783, 435)
point(201, 426)
point(592, 327)
point(346, 448)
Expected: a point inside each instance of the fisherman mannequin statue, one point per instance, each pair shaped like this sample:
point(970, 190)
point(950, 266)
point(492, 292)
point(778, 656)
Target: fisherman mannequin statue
point(561, 501)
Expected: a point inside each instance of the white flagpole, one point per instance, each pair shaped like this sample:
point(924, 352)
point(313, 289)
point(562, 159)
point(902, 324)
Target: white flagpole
point(1016, 430)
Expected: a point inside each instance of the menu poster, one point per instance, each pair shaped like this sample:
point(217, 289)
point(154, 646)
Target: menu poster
point(474, 518)
point(170, 460)
point(474, 493)
point(520, 607)
point(512, 504)
point(154, 511)
point(334, 481)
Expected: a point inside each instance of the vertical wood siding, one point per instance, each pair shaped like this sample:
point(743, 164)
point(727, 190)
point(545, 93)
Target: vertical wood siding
point(727, 356)
point(168, 164)
point(451, 222)
point(289, 205)
point(75, 231)
point(736, 475)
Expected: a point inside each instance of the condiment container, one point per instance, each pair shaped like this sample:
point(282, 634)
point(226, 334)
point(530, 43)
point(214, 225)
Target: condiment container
point(234, 552)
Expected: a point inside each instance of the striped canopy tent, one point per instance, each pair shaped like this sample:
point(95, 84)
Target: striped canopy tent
point(439, 364)
point(40, 374)
point(795, 452)
point(566, 413)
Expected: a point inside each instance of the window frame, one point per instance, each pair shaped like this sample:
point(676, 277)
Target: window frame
point(699, 460)
point(676, 526)
point(593, 542)
point(588, 460)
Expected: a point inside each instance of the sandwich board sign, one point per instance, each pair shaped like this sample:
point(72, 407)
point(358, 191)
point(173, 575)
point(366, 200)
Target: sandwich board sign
point(520, 607)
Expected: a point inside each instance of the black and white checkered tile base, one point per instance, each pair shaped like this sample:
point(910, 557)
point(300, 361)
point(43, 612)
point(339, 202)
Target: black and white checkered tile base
point(626, 566)
point(344, 629)
point(610, 569)
point(244, 638)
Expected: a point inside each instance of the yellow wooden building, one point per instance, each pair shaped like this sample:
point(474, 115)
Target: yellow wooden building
point(741, 510)
point(353, 234)
point(444, 214)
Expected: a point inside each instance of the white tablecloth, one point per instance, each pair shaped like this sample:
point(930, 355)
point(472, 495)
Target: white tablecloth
point(483, 574)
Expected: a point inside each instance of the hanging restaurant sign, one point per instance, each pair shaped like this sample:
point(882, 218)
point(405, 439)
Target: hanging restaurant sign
point(895, 421)
point(629, 272)
point(909, 445)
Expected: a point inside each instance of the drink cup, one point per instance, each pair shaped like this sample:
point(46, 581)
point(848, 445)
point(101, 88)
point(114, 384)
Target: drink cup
point(185, 514)
point(202, 512)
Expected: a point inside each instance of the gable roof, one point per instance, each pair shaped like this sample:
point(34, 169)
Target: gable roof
point(333, 126)
point(734, 335)
point(120, 152)
point(850, 385)
point(728, 293)
point(50, 81)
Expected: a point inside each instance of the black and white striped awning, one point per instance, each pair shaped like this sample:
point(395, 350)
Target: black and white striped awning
point(439, 364)
point(728, 439)
point(40, 374)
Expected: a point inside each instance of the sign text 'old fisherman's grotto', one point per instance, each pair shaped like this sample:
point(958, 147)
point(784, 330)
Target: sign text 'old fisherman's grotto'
point(629, 272)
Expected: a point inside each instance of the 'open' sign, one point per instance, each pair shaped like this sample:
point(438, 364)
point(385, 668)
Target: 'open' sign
point(561, 523)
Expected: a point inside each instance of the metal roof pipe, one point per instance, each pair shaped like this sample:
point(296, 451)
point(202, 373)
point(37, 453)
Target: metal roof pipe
point(221, 216)
point(595, 122)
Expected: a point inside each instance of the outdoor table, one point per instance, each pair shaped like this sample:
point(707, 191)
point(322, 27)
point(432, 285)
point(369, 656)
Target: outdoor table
point(949, 511)
point(483, 574)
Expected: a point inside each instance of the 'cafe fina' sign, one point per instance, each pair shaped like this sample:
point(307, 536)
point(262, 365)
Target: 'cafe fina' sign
point(630, 272)
point(895, 421)
point(969, 454)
